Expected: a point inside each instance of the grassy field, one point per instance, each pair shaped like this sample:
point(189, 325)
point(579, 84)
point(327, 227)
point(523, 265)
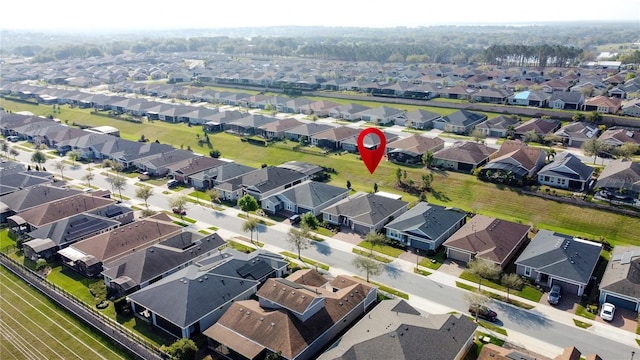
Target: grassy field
point(449, 189)
point(31, 327)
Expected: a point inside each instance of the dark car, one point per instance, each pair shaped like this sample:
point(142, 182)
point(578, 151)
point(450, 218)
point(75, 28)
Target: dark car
point(172, 183)
point(294, 219)
point(554, 294)
point(179, 211)
point(483, 312)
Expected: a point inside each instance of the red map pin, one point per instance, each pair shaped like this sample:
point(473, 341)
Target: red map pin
point(371, 158)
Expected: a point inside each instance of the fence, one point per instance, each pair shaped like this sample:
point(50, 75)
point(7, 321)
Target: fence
point(135, 344)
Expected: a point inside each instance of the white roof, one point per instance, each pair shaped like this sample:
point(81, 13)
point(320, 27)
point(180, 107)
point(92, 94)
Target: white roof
point(71, 254)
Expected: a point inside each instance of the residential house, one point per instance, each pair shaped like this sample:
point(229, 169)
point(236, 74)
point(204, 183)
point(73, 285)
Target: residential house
point(260, 183)
point(47, 240)
point(382, 115)
point(216, 122)
point(370, 141)
point(276, 130)
point(192, 299)
point(297, 105)
point(183, 170)
point(305, 131)
point(603, 104)
point(39, 216)
point(555, 86)
point(349, 112)
point(396, 330)
point(494, 96)
point(482, 237)
point(620, 284)
point(425, 226)
point(364, 213)
point(308, 196)
point(294, 317)
point(320, 108)
point(27, 198)
point(621, 179)
point(540, 127)
point(465, 156)
point(530, 98)
point(566, 171)
point(209, 178)
point(631, 107)
point(159, 164)
point(409, 150)
point(418, 119)
point(87, 256)
point(142, 268)
point(331, 139)
point(515, 163)
point(460, 122)
point(618, 136)
point(499, 126)
point(570, 100)
point(457, 92)
point(576, 133)
point(553, 258)
point(248, 125)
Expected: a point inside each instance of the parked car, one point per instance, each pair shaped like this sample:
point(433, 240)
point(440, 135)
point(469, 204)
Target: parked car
point(554, 294)
point(294, 219)
point(607, 312)
point(172, 183)
point(179, 211)
point(483, 312)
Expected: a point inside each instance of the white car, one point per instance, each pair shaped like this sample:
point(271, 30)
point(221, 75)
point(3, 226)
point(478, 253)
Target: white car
point(607, 311)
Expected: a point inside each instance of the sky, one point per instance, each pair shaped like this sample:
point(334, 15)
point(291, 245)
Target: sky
point(197, 14)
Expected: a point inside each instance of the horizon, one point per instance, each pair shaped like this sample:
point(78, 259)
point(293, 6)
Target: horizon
point(146, 15)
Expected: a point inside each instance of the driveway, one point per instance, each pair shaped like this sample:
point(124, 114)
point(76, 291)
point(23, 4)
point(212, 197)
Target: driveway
point(623, 319)
point(351, 237)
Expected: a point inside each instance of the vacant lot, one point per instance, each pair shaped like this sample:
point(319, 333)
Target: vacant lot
point(31, 327)
point(449, 188)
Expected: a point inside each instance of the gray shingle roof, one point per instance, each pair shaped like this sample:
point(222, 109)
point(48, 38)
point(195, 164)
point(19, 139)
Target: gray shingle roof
point(34, 196)
point(366, 208)
point(311, 194)
point(568, 166)
point(622, 275)
point(426, 220)
point(561, 256)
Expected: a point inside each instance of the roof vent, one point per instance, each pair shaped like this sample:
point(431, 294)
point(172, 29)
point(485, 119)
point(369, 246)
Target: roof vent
point(261, 318)
point(273, 324)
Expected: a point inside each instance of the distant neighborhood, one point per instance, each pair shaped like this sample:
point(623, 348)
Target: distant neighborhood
point(251, 303)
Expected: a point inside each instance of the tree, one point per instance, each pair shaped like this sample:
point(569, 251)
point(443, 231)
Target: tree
point(399, 176)
point(144, 192)
point(5, 149)
point(88, 177)
point(578, 116)
point(594, 117)
point(181, 349)
point(38, 157)
point(59, 165)
point(475, 299)
point(511, 281)
point(427, 179)
point(74, 155)
point(628, 149)
point(478, 135)
point(593, 147)
point(375, 187)
point(250, 225)
point(118, 183)
point(309, 221)
point(214, 195)
point(248, 203)
point(179, 203)
point(375, 239)
point(299, 239)
point(530, 136)
point(116, 166)
point(348, 184)
point(14, 153)
point(428, 159)
point(368, 265)
point(483, 269)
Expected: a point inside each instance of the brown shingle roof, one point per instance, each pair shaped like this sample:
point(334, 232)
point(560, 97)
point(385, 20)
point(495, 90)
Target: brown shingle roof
point(417, 144)
point(60, 209)
point(489, 238)
point(521, 152)
point(126, 239)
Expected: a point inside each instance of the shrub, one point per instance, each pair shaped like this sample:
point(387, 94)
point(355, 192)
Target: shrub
point(41, 264)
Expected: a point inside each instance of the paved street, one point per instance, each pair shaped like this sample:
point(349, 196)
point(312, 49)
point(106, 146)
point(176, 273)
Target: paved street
point(544, 329)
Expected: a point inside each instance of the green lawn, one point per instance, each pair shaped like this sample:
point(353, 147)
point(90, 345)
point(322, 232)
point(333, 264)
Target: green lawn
point(527, 292)
point(382, 249)
point(48, 330)
point(449, 188)
point(367, 253)
point(72, 282)
point(306, 260)
point(388, 289)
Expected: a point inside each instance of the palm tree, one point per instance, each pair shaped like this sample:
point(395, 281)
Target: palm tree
point(250, 225)
point(88, 177)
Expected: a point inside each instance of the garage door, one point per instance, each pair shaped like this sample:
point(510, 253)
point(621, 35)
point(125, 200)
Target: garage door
point(567, 288)
point(621, 303)
point(458, 255)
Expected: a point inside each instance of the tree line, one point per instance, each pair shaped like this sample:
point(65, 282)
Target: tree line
point(536, 55)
